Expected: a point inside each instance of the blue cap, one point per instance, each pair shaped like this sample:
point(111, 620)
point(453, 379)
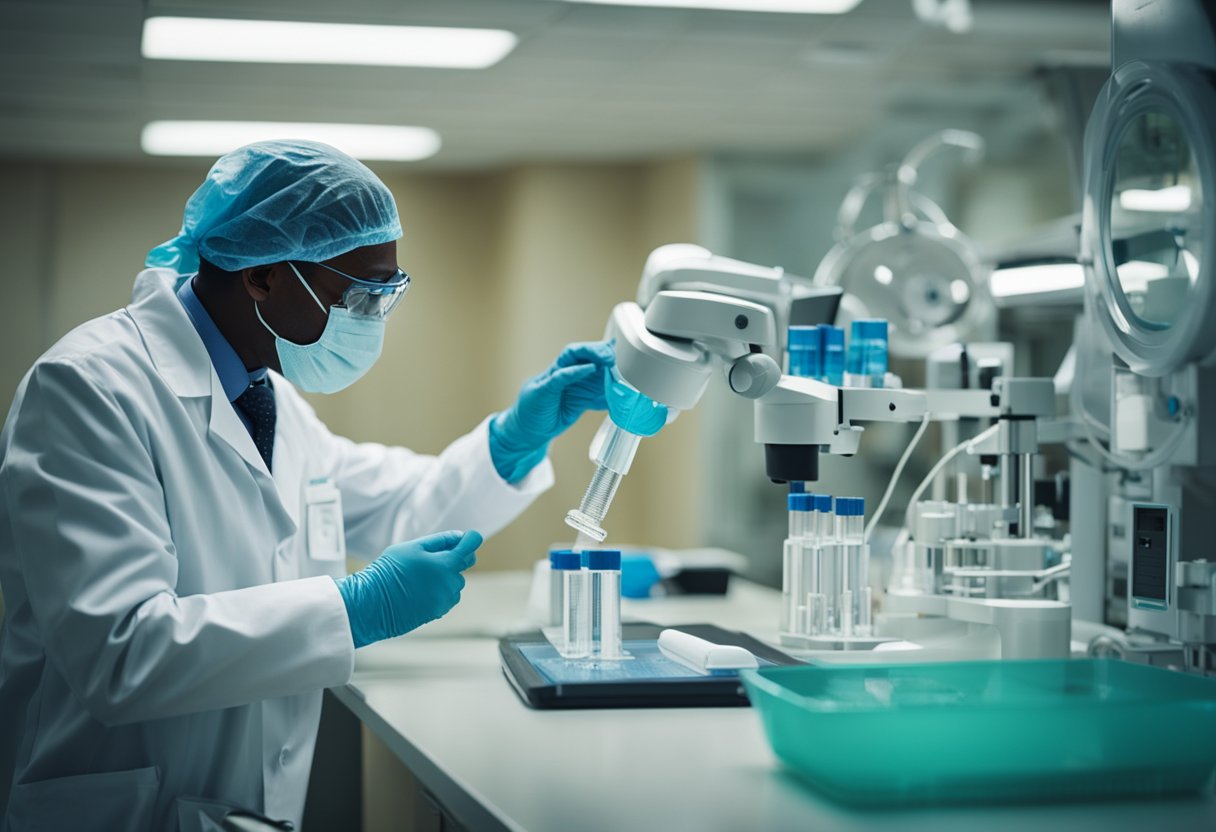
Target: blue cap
point(833, 336)
point(823, 502)
point(797, 487)
point(874, 328)
point(565, 559)
point(850, 506)
point(804, 336)
point(791, 502)
point(808, 504)
point(604, 559)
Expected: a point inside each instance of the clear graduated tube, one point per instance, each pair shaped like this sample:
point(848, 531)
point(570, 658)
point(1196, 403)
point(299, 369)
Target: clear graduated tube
point(576, 626)
point(855, 595)
point(821, 566)
point(604, 572)
point(614, 449)
point(631, 416)
point(793, 563)
point(557, 582)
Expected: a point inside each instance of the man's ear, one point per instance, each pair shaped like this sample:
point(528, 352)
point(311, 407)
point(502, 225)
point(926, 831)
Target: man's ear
point(257, 282)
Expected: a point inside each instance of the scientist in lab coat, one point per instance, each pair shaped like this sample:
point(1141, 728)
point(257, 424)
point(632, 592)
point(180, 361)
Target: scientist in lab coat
point(175, 516)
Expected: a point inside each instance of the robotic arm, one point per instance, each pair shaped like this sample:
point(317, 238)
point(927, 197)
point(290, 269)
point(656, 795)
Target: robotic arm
point(698, 313)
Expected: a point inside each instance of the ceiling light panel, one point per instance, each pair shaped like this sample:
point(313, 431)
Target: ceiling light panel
point(1036, 279)
point(370, 142)
point(292, 42)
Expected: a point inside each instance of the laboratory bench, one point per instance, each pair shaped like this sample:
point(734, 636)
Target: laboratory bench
point(438, 700)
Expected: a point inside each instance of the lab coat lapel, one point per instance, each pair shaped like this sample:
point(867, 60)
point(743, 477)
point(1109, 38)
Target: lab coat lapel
point(182, 361)
point(227, 426)
point(288, 465)
point(174, 346)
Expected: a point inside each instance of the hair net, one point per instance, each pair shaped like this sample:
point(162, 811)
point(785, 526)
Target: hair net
point(280, 200)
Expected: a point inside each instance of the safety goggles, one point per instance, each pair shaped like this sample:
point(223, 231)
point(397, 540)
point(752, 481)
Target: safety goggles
point(373, 298)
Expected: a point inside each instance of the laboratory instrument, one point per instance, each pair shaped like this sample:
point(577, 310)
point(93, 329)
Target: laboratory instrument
point(697, 313)
point(981, 568)
point(1144, 480)
point(1132, 578)
point(983, 564)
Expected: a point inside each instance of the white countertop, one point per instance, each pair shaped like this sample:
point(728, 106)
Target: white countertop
point(437, 698)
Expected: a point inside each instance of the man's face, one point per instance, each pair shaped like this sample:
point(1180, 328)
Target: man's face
point(288, 308)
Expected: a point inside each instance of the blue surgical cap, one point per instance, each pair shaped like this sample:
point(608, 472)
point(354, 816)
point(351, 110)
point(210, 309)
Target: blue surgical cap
point(280, 200)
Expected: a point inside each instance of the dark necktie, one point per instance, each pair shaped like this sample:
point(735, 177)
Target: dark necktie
point(257, 403)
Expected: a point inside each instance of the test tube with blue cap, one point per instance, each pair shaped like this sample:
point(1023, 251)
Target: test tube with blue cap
point(811, 591)
point(822, 565)
point(604, 573)
point(833, 355)
point(825, 521)
point(868, 353)
point(789, 561)
point(576, 627)
point(796, 562)
point(557, 589)
point(855, 592)
point(805, 350)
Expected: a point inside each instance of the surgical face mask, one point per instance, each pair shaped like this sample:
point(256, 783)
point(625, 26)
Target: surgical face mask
point(347, 348)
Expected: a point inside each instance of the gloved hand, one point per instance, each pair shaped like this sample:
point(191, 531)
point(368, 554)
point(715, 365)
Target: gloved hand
point(547, 405)
point(408, 585)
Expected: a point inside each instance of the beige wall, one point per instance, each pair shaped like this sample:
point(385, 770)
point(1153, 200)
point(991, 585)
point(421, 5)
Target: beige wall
point(509, 266)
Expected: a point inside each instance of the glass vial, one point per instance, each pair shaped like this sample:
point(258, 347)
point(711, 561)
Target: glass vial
point(604, 572)
point(557, 585)
point(576, 630)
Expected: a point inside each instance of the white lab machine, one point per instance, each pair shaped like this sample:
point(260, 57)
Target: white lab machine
point(1146, 347)
point(698, 314)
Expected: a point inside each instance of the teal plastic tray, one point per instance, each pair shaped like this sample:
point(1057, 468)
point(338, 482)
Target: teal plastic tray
point(990, 731)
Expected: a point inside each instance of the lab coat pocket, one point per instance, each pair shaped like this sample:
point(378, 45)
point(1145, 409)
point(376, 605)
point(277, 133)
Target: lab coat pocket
point(105, 801)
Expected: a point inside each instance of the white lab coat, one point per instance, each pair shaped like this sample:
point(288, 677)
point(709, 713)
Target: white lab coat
point(167, 635)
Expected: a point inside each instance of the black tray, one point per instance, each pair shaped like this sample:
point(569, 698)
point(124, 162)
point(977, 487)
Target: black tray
point(538, 691)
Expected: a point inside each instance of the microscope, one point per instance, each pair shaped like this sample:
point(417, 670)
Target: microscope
point(698, 315)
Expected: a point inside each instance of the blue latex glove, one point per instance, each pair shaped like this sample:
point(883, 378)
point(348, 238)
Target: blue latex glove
point(547, 405)
point(408, 585)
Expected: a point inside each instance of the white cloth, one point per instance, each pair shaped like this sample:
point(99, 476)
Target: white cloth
point(167, 636)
